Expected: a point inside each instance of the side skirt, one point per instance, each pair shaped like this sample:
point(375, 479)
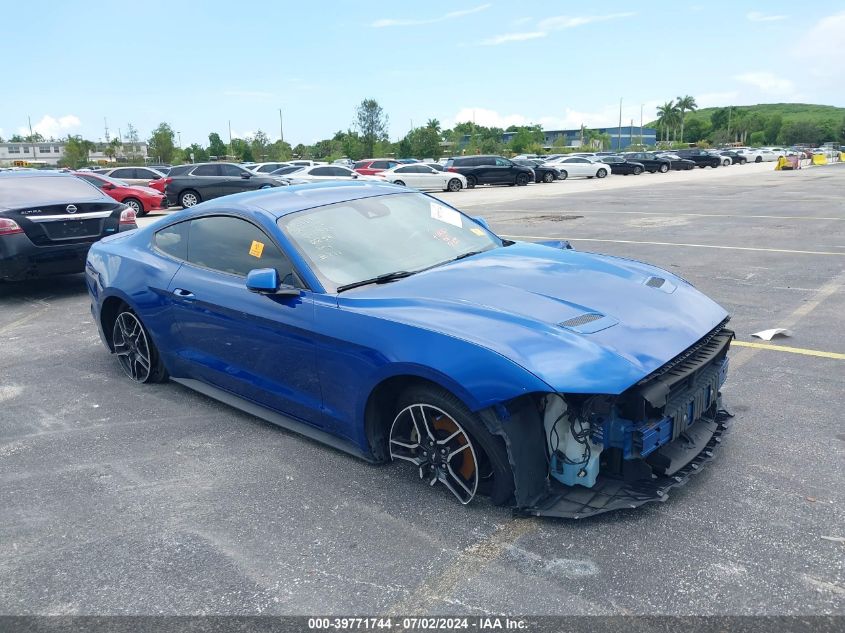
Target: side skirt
point(275, 418)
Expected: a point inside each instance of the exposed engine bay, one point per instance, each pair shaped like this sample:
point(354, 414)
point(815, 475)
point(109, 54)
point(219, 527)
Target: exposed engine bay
point(606, 452)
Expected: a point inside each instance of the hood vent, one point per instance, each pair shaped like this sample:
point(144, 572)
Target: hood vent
point(655, 282)
point(582, 319)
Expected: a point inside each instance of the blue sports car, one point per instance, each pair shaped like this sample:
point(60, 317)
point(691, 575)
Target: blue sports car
point(388, 324)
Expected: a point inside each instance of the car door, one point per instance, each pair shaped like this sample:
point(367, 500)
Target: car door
point(505, 171)
point(406, 175)
point(126, 174)
point(256, 346)
point(429, 178)
point(233, 179)
point(578, 167)
point(205, 179)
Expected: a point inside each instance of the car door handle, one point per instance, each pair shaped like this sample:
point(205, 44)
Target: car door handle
point(184, 294)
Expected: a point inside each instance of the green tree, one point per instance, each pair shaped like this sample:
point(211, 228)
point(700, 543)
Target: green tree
point(719, 118)
point(773, 126)
point(259, 145)
point(112, 148)
point(300, 151)
point(17, 138)
point(757, 138)
point(76, 152)
point(132, 147)
point(196, 153)
point(527, 138)
point(162, 143)
point(371, 122)
point(280, 151)
point(216, 146)
point(684, 105)
point(668, 118)
point(696, 130)
point(804, 132)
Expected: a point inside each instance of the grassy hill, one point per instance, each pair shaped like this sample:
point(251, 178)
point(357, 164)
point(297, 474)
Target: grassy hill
point(809, 112)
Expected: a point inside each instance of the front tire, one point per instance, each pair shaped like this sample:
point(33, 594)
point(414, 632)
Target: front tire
point(759, 159)
point(135, 350)
point(454, 185)
point(136, 205)
point(663, 168)
point(601, 173)
point(521, 180)
point(399, 182)
point(189, 198)
point(638, 171)
point(450, 445)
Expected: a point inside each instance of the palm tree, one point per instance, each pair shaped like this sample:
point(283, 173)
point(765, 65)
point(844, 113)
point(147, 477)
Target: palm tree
point(667, 117)
point(684, 105)
point(433, 124)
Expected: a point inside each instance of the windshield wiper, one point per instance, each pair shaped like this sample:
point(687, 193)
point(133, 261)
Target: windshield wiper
point(464, 255)
point(381, 279)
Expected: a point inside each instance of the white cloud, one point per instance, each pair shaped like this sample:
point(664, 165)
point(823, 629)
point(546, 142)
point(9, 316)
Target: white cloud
point(559, 22)
point(50, 127)
point(452, 15)
point(824, 43)
point(766, 81)
point(756, 16)
point(513, 37)
point(548, 25)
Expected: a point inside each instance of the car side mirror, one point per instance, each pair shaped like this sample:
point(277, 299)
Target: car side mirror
point(108, 186)
point(265, 281)
point(245, 175)
point(482, 222)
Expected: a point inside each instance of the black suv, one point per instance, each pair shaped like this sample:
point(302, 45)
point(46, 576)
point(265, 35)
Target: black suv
point(490, 170)
point(651, 161)
point(49, 220)
point(700, 157)
point(188, 185)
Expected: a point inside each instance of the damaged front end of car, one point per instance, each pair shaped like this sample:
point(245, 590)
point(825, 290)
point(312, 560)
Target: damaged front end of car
point(577, 455)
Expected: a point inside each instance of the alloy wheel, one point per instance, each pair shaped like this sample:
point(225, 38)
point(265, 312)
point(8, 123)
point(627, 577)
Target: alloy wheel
point(131, 347)
point(438, 446)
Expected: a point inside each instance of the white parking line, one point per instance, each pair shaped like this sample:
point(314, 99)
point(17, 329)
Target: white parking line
point(729, 248)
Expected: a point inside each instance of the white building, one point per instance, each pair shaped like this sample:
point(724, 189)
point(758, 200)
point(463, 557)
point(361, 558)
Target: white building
point(48, 153)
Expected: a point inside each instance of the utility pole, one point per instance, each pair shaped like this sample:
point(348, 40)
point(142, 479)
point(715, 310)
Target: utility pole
point(31, 140)
point(179, 135)
point(281, 127)
point(106, 123)
point(619, 129)
point(631, 133)
point(641, 124)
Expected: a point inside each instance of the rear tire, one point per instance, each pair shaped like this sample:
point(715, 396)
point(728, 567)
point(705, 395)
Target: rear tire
point(563, 175)
point(759, 159)
point(521, 180)
point(189, 198)
point(138, 356)
point(663, 168)
point(638, 171)
point(471, 182)
point(548, 177)
point(399, 182)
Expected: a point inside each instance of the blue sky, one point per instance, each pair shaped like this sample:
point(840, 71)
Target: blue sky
point(561, 63)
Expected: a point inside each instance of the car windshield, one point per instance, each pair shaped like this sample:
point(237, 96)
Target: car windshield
point(349, 242)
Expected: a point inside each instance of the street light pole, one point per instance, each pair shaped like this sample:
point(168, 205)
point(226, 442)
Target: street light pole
point(619, 129)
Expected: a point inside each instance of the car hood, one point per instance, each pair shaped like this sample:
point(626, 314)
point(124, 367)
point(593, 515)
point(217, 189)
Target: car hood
point(581, 322)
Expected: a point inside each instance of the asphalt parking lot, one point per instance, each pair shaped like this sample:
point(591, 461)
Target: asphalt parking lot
point(123, 499)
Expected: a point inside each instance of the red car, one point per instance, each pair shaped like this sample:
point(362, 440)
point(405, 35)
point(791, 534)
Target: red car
point(372, 166)
point(141, 199)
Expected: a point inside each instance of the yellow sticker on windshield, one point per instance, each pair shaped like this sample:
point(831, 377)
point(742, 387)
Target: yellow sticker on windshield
point(256, 249)
point(477, 231)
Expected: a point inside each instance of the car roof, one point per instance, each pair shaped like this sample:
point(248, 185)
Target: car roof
point(280, 201)
point(35, 173)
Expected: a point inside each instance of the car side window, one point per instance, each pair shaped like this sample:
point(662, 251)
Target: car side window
point(501, 162)
point(231, 170)
point(380, 164)
point(235, 246)
point(360, 164)
point(206, 170)
point(122, 173)
point(173, 240)
point(323, 171)
point(94, 181)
